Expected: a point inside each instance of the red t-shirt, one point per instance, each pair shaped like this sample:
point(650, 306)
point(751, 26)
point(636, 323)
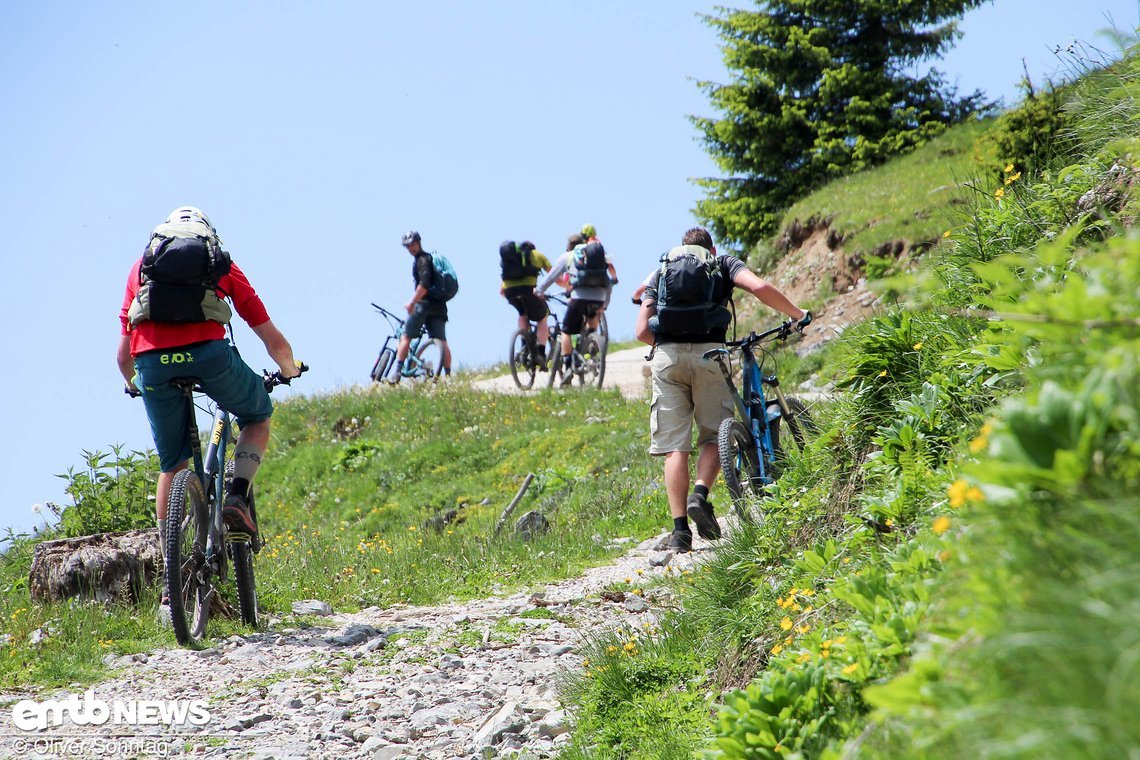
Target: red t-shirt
point(151, 335)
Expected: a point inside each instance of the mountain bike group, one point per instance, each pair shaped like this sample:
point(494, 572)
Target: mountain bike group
point(174, 319)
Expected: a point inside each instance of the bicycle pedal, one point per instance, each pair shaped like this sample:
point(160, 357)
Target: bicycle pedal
point(234, 536)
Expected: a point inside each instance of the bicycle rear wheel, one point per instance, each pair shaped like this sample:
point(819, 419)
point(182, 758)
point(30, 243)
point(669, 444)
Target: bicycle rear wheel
point(554, 358)
point(740, 464)
point(523, 366)
point(593, 351)
point(187, 584)
point(429, 358)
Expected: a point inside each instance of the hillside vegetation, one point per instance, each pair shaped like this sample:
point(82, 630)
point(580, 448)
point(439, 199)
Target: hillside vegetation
point(948, 571)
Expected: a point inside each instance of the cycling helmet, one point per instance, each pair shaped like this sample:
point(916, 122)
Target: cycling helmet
point(411, 236)
point(588, 231)
point(189, 214)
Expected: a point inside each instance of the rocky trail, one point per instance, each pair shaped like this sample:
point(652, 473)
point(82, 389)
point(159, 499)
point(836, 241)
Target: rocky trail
point(478, 679)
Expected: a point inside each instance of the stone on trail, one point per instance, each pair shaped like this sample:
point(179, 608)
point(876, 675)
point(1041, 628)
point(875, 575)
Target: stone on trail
point(635, 604)
point(660, 559)
point(312, 607)
point(354, 634)
point(508, 719)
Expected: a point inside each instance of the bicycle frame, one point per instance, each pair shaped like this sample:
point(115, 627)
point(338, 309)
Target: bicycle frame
point(751, 404)
point(412, 364)
point(211, 471)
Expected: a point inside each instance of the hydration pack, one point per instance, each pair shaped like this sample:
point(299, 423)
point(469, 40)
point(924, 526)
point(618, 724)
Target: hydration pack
point(516, 260)
point(179, 276)
point(692, 294)
point(444, 283)
point(588, 268)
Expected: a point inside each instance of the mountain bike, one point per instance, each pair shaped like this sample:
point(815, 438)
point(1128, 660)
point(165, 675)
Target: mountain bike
point(749, 442)
point(587, 359)
point(199, 545)
point(525, 359)
point(425, 355)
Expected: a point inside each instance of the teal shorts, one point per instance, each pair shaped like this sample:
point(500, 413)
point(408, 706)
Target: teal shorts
point(223, 376)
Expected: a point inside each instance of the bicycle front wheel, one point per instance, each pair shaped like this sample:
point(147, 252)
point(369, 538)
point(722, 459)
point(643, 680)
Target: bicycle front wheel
point(242, 555)
point(799, 421)
point(523, 367)
point(383, 364)
point(740, 464)
point(187, 584)
point(429, 360)
point(554, 359)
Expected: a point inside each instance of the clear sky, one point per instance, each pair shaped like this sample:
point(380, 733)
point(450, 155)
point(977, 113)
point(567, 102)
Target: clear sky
point(315, 134)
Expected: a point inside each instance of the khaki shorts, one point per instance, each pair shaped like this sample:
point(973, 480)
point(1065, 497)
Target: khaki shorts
point(686, 386)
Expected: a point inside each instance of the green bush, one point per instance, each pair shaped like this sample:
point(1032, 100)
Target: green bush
point(114, 492)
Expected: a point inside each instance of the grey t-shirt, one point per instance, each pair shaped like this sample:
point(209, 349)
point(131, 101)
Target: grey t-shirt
point(730, 267)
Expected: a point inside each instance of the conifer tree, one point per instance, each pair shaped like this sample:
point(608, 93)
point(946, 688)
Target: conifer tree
point(821, 88)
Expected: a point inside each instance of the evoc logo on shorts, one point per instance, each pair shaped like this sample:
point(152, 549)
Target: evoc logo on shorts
point(176, 358)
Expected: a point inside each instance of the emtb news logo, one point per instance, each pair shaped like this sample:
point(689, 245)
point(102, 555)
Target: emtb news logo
point(89, 710)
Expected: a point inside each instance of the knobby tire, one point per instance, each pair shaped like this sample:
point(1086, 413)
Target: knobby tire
point(383, 365)
point(523, 367)
point(187, 527)
point(739, 463)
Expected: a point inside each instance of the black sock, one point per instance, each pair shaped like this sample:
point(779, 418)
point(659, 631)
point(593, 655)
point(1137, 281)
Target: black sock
point(239, 485)
point(702, 491)
point(681, 524)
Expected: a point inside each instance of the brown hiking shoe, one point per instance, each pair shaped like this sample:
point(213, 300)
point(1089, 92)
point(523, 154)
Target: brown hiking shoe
point(235, 514)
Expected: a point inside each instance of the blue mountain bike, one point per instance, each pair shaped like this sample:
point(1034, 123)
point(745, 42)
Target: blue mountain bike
point(425, 355)
point(749, 441)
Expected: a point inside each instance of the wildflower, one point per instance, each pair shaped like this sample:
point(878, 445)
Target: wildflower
point(918, 346)
point(37, 508)
point(941, 525)
point(629, 646)
point(943, 555)
point(803, 629)
point(975, 494)
point(375, 570)
point(979, 444)
point(999, 193)
point(946, 234)
point(805, 657)
point(777, 649)
point(1008, 168)
point(883, 373)
point(847, 560)
point(957, 493)
point(786, 624)
point(850, 668)
point(841, 640)
point(412, 528)
point(611, 649)
point(1012, 178)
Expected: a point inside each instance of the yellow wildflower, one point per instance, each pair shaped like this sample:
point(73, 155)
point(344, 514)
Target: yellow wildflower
point(777, 649)
point(883, 373)
point(979, 444)
point(946, 234)
point(1008, 168)
point(941, 525)
point(850, 668)
point(805, 657)
point(999, 193)
point(803, 629)
point(975, 494)
point(918, 346)
point(957, 493)
point(786, 624)
point(1012, 178)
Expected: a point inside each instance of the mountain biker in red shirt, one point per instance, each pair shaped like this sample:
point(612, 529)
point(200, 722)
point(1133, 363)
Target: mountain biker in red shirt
point(152, 352)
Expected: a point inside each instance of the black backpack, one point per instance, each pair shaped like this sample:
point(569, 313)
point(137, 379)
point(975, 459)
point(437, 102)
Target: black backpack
point(589, 268)
point(692, 293)
point(179, 276)
point(515, 260)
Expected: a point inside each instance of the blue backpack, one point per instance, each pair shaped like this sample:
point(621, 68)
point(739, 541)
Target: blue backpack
point(444, 283)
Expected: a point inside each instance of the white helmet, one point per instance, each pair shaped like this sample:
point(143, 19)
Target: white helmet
point(190, 214)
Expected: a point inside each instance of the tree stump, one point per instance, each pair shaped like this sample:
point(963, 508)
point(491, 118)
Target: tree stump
point(106, 567)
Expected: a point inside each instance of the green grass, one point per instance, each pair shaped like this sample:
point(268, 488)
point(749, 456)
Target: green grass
point(912, 198)
point(344, 499)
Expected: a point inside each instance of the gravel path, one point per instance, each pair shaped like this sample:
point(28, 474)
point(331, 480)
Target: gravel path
point(464, 680)
point(626, 370)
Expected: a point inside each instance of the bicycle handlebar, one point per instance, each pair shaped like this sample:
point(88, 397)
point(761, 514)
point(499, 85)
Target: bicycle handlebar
point(387, 313)
point(273, 379)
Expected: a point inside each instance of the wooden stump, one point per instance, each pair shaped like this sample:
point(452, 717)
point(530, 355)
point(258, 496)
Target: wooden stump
point(107, 567)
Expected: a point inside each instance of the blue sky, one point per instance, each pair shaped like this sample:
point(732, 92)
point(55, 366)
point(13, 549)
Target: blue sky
point(315, 134)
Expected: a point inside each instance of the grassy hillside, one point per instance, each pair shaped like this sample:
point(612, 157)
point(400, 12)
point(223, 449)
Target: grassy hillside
point(345, 498)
